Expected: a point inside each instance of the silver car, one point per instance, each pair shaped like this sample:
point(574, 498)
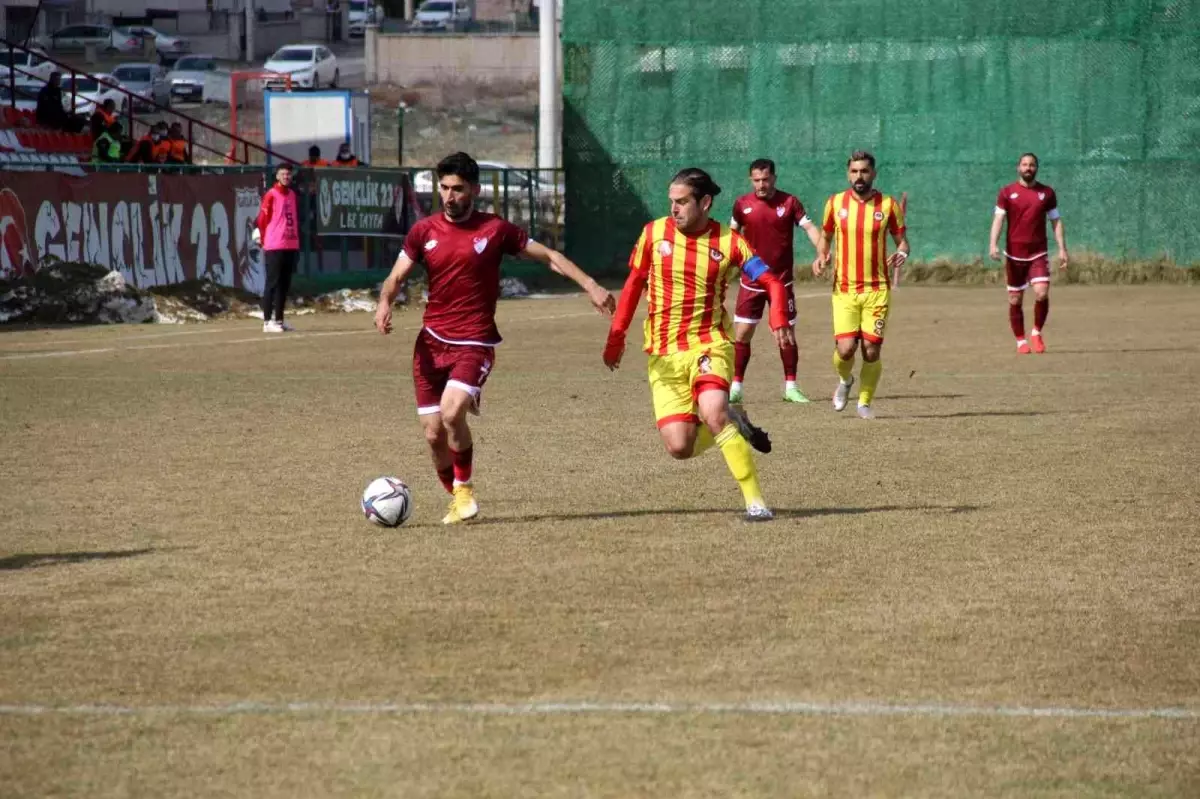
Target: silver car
point(188, 76)
point(169, 48)
point(147, 81)
point(103, 37)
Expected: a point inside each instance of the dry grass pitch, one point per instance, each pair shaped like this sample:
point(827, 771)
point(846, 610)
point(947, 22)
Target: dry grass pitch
point(992, 590)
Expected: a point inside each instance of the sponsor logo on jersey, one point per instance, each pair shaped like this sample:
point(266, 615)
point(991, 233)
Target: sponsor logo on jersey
point(1013, 196)
point(431, 245)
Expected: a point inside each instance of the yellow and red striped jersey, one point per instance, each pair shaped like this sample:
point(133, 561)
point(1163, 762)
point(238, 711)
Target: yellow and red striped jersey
point(861, 228)
point(687, 278)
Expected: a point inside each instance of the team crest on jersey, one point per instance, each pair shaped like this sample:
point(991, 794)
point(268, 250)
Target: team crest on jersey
point(481, 244)
point(1041, 195)
point(842, 213)
point(1013, 196)
point(879, 216)
point(431, 245)
point(716, 254)
point(779, 212)
point(664, 248)
point(704, 365)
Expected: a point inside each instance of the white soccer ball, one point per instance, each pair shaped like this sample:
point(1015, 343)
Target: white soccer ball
point(387, 502)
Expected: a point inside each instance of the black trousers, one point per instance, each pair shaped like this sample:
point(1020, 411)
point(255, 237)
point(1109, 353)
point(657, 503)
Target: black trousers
point(280, 266)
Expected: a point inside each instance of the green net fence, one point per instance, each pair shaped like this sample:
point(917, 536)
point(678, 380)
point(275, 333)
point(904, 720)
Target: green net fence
point(946, 94)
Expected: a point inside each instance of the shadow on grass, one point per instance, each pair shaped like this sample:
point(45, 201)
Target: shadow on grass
point(35, 560)
point(970, 414)
point(732, 512)
point(920, 396)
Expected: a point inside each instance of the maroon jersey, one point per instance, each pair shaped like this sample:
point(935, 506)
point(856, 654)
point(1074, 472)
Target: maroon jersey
point(1027, 209)
point(767, 225)
point(463, 264)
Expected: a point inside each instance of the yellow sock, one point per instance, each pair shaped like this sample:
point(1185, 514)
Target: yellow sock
point(740, 459)
point(704, 441)
point(844, 368)
point(871, 371)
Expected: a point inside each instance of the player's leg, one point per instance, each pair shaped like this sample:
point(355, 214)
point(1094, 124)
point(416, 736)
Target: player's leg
point(469, 368)
point(846, 324)
point(429, 381)
point(1016, 274)
point(1039, 280)
point(674, 408)
point(719, 419)
point(291, 259)
point(273, 261)
point(789, 355)
point(873, 322)
point(747, 313)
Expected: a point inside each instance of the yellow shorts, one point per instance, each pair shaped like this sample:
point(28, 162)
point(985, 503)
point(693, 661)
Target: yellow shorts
point(677, 379)
point(860, 315)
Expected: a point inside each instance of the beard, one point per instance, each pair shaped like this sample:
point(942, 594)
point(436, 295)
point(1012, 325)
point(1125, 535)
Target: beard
point(457, 212)
point(862, 186)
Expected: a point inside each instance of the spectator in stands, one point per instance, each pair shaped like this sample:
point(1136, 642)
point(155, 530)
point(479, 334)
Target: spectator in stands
point(50, 112)
point(178, 152)
point(345, 157)
point(103, 118)
point(106, 148)
point(314, 157)
point(151, 148)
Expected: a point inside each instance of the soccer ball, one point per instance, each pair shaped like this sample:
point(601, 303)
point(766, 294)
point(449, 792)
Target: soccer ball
point(387, 502)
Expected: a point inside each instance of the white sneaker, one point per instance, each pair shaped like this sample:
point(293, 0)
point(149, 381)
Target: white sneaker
point(272, 327)
point(759, 513)
point(842, 394)
point(865, 412)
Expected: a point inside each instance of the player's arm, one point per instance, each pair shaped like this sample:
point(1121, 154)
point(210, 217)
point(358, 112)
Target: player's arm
point(755, 269)
point(1060, 237)
point(389, 290)
point(601, 298)
point(897, 259)
point(813, 232)
point(264, 216)
point(631, 295)
point(994, 241)
point(827, 227)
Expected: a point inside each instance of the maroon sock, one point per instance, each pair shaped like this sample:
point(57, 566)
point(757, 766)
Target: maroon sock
point(791, 359)
point(1016, 318)
point(1041, 309)
point(462, 464)
point(741, 359)
point(446, 475)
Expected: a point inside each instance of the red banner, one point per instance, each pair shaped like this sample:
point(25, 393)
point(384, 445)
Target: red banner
point(154, 229)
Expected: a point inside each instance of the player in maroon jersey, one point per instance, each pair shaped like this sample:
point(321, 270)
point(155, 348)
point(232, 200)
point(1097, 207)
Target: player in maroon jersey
point(1027, 204)
point(766, 217)
point(461, 249)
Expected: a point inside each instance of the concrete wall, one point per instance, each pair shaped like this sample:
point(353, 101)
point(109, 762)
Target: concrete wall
point(407, 59)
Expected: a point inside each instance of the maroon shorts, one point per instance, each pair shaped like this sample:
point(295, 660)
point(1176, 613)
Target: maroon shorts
point(1019, 274)
point(751, 303)
point(437, 365)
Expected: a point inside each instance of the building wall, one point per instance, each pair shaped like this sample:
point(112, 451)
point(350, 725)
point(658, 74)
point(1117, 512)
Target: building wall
point(407, 59)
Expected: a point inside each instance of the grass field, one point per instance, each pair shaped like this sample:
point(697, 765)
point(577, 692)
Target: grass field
point(991, 590)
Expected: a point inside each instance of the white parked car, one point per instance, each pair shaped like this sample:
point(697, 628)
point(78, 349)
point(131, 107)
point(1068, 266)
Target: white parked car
point(169, 47)
point(311, 66)
point(491, 176)
point(82, 95)
point(26, 94)
point(440, 15)
point(29, 66)
point(363, 13)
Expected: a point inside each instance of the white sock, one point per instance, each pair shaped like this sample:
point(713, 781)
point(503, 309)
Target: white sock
point(1021, 341)
point(788, 385)
point(736, 385)
point(1037, 332)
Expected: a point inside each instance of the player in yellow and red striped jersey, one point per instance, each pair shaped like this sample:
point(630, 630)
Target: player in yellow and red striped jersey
point(860, 220)
point(688, 261)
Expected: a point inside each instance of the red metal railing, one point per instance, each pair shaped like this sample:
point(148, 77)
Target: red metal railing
point(231, 152)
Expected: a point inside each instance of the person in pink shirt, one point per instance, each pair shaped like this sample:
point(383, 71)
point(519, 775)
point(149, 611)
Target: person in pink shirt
point(280, 237)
